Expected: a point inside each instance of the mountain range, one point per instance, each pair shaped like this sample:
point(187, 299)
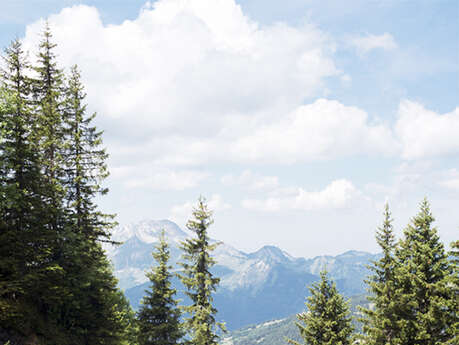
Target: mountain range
point(255, 287)
point(275, 332)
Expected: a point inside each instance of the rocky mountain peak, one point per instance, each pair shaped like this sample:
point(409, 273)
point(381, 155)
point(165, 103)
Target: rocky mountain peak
point(271, 254)
point(148, 231)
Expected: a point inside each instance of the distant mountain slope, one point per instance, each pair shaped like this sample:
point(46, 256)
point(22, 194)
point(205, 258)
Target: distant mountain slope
point(274, 332)
point(255, 287)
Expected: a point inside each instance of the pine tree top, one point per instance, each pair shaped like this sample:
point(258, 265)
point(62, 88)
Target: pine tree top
point(327, 320)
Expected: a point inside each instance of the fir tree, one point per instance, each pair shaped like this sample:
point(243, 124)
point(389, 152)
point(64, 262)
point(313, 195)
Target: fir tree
point(21, 189)
point(48, 94)
point(198, 280)
point(50, 289)
point(159, 316)
point(380, 322)
point(96, 310)
point(98, 313)
point(56, 284)
point(85, 164)
point(327, 320)
point(423, 294)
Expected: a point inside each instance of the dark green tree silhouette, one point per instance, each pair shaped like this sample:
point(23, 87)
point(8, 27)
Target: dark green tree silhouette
point(327, 320)
point(198, 280)
point(159, 316)
point(423, 290)
point(380, 322)
point(56, 284)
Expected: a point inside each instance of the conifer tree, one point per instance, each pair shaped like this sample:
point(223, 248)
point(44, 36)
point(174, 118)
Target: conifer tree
point(159, 316)
point(85, 164)
point(380, 322)
point(48, 90)
point(423, 293)
point(50, 289)
point(96, 311)
point(327, 320)
point(56, 284)
point(198, 280)
point(453, 285)
point(21, 188)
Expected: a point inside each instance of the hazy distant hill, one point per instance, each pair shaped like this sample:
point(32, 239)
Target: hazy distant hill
point(274, 332)
point(255, 287)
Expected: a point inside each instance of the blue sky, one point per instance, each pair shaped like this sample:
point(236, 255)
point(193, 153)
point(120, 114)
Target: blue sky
point(296, 119)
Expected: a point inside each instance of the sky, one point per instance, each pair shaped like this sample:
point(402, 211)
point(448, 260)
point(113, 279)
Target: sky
point(297, 120)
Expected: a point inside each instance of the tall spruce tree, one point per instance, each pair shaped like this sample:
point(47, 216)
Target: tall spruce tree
point(56, 284)
point(159, 316)
point(21, 202)
point(327, 320)
point(198, 280)
point(96, 310)
point(380, 322)
point(51, 289)
point(423, 293)
point(48, 94)
point(85, 164)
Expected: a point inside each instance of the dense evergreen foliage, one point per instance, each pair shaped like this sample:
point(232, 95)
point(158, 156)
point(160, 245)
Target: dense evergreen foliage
point(327, 320)
point(414, 287)
point(453, 284)
point(159, 316)
point(275, 332)
point(199, 281)
point(56, 285)
point(381, 321)
point(422, 276)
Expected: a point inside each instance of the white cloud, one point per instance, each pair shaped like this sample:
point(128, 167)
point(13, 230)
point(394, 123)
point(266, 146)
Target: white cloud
point(185, 80)
point(321, 130)
point(181, 61)
point(424, 133)
point(195, 82)
point(181, 213)
point(151, 177)
point(336, 195)
point(251, 180)
point(366, 43)
point(451, 180)
point(452, 183)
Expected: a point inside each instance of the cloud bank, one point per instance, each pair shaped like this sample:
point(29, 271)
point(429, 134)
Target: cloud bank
point(193, 83)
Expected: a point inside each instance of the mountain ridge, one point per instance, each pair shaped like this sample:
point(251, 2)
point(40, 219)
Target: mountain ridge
point(266, 284)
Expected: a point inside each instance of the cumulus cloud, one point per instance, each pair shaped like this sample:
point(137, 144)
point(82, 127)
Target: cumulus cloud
point(189, 83)
point(424, 133)
point(323, 129)
point(336, 195)
point(366, 43)
point(183, 82)
point(181, 61)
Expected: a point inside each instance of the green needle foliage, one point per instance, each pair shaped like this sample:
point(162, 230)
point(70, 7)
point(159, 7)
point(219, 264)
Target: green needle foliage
point(380, 323)
point(85, 165)
point(424, 291)
point(199, 281)
point(56, 284)
point(22, 244)
point(453, 284)
point(327, 320)
point(159, 316)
